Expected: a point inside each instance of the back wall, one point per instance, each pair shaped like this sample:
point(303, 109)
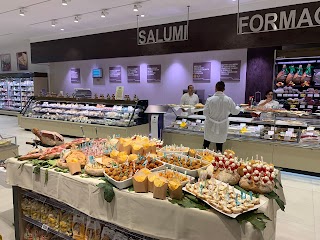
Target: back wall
point(176, 75)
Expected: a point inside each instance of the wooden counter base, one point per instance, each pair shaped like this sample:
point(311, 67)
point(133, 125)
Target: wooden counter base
point(73, 128)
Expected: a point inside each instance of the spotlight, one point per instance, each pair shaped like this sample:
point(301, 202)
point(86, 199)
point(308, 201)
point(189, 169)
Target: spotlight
point(76, 18)
point(22, 12)
point(53, 23)
point(104, 12)
point(64, 2)
point(135, 8)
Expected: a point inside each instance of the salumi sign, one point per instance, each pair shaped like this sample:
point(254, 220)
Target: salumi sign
point(293, 17)
point(161, 34)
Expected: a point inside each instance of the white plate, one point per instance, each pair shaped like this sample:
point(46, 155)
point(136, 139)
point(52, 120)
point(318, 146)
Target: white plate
point(233, 215)
point(193, 173)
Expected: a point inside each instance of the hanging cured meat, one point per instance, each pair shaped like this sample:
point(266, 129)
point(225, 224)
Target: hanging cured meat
point(281, 77)
point(48, 138)
point(306, 77)
point(297, 77)
point(290, 76)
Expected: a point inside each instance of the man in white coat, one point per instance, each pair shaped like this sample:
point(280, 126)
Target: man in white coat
point(217, 110)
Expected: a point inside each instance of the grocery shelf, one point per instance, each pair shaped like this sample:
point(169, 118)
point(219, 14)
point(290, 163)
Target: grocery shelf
point(46, 228)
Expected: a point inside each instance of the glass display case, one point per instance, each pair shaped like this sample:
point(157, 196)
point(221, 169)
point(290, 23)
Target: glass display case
point(91, 111)
point(17, 88)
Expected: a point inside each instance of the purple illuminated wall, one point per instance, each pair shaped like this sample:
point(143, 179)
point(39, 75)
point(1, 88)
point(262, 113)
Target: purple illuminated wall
point(259, 71)
point(176, 75)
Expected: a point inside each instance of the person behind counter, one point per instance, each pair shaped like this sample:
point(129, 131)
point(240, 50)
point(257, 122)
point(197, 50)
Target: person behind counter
point(189, 98)
point(269, 102)
point(217, 110)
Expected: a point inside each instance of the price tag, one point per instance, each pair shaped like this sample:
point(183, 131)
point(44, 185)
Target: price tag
point(293, 119)
point(290, 95)
point(309, 133)
point(316, 95)
point(260, 126)
point(198, 121)
point(279, 95)
point(270, 133)
point(285, 95)
point(310, 128)
point(296, 95)
point(310, 106)
point(242, 125)
point(184, 120)
point(302, 95)
point(193, 124)
point(44, 227)
point(310, 95)
point(288, 134)
point(287, 138)
point(273, 128)
point(290, 130)
point(302, 106)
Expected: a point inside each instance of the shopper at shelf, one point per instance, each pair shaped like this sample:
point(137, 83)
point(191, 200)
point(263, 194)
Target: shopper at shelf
point(217, 110)
point(269, 102)
point(189, 98)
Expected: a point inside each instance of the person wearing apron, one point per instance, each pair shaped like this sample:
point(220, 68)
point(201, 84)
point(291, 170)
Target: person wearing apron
point(217, 110)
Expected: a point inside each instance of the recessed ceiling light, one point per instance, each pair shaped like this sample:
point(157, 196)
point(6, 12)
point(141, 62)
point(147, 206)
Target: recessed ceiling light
point(142, 15)
point(135, 8)
point(76, 18)
point(53, 23)
point(234, 0)
point(64, 2)
point(62, 29)
point(22, 12)
point(104, 13)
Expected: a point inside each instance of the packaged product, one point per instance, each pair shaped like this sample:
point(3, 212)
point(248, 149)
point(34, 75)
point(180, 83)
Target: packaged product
point(93, 230)
point(35, 210)
point(28, 232)
point(160, 188)
point(140, 182)
point(107, 233)
point(26, 206)
point(65, 225)
point(78, 226)
point(54, 219)
point(175, 189)
point(36, 233)
point(44, 235)
point(44, 211)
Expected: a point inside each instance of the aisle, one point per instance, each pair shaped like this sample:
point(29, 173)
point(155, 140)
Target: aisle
point(302, 193)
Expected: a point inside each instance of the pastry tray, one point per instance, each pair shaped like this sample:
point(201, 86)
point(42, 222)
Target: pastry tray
point(127, 183)
point(193, 173)
point(233, 215)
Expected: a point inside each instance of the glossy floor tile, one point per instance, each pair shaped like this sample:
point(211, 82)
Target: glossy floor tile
point(300, 221)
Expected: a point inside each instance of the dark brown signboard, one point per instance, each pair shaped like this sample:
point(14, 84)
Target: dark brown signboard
point(115, 74)
point(133, 73)
point(230, 70)
point(75, 75)
point(154, 73)
point(202, 72)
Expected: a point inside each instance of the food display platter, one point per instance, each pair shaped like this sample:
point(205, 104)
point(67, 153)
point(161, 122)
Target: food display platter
point(233, 215)
point(190, 178)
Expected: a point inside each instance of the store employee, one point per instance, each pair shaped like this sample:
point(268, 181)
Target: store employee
point(189, 98)
point(269, 102)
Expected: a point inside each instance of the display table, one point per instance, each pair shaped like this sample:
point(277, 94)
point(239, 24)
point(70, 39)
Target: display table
point(281, 154)
point(137, 212)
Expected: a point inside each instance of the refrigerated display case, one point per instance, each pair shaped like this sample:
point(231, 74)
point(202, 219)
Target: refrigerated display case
point(70, 116)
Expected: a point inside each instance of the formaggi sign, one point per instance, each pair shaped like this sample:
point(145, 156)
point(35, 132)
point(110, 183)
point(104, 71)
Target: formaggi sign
point(279, 20)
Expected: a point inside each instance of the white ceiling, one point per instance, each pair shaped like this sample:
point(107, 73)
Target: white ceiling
point(36, 24)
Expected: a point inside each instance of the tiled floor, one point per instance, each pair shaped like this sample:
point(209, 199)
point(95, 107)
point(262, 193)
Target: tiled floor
point(300, 221)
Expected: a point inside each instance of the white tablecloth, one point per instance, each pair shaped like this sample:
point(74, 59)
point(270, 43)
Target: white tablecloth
point(138, 212)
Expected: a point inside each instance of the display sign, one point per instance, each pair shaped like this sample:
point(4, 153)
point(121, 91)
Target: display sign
point(133, 73)
point(275, 20)
point(97, 73)
point(75, 75)
point(202, 72)
point(115, 74)
point(160, 34)
point(119, 93)
point(5, 62)
point(154, 73)
point(230, 70)
point(22, 61)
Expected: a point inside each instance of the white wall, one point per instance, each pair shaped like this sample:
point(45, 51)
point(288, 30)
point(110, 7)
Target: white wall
point(21, 46)
point(176, 75)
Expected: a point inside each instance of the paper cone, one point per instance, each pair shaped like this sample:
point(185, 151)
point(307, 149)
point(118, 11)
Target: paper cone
point(153, 148)
point(176, 194)
point(150, 186)
point(137, 151)
point(160, 192)
point(140, 187)
point(146, 150)
point(74, 167)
